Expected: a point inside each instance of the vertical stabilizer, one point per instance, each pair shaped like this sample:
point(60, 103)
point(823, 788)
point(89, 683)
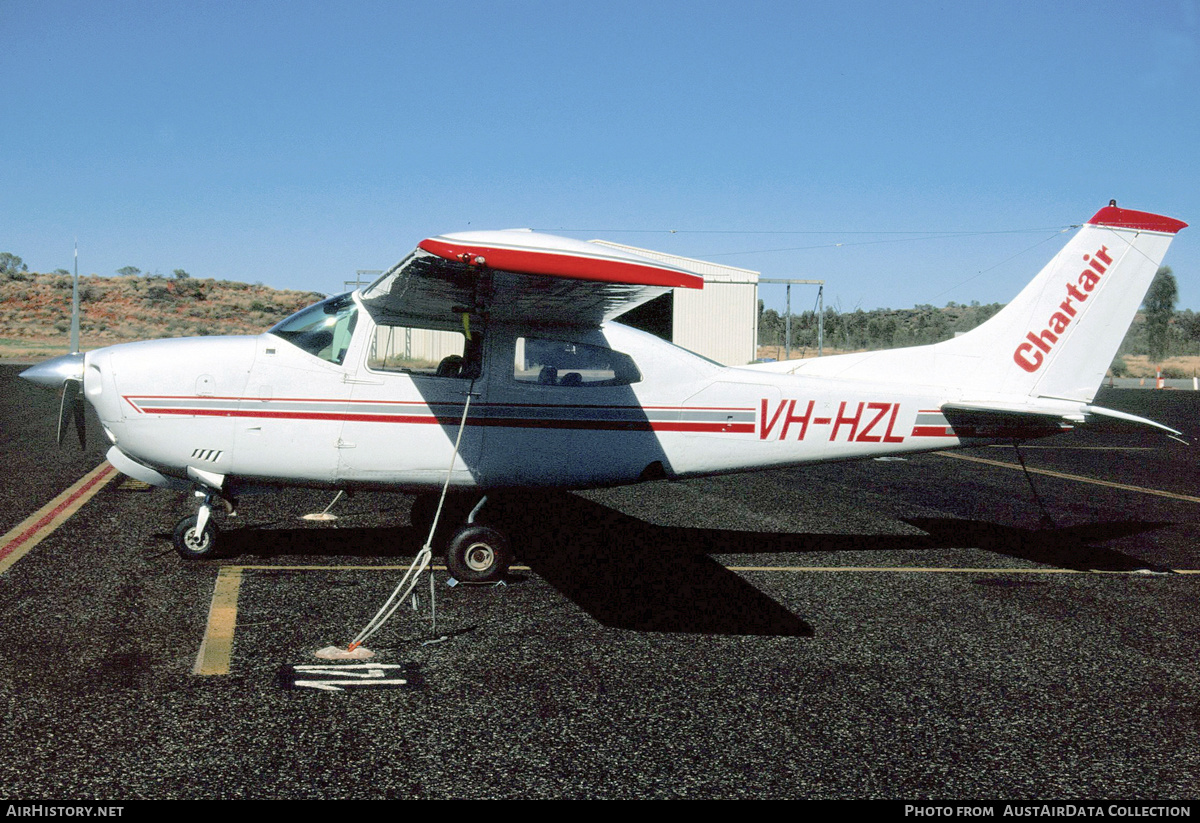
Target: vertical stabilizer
point(1056, 339)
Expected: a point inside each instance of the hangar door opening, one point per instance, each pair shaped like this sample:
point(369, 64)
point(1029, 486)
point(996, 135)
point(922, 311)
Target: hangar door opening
point(719, 321)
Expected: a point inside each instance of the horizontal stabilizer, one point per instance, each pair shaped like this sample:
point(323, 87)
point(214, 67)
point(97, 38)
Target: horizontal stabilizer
point(1133, 419)
point(973, 421)
point(1030, 420)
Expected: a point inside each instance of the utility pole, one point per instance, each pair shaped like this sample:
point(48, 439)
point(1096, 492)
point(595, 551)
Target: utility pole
point(75, 304)
point(358, 282)
point(788, 319)
point(787, 325)
point(821, 320)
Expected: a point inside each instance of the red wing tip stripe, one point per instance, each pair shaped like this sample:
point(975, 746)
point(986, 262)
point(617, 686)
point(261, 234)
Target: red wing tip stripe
point(561, 264)
point(1116, 218)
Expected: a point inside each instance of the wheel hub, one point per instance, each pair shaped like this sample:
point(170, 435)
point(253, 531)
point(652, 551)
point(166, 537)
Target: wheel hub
point(480, 557)
point(196, 542)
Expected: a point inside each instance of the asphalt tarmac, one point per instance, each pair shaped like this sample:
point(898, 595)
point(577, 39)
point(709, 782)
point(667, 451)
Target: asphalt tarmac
point(903, 629)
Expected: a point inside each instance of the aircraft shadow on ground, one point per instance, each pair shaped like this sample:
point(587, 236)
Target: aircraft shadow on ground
point(1067, 547)
point(627, 573)
point(265, 541)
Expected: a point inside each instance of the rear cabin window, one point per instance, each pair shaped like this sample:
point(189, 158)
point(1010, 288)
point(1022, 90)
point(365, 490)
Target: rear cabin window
point(562, 363)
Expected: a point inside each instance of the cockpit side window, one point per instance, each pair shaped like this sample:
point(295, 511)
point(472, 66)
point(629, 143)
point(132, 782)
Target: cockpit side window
point(323, 329)
point(563, 363)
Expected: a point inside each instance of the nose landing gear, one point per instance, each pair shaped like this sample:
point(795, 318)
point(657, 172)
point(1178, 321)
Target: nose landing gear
point(194, 541)
point(195, 536)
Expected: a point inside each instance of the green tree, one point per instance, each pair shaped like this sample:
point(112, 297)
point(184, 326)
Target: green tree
point(180, 274)
point(1159, 306)
point(770, 328)
point(1188, 323)
point(10, 264)
point(129, 271)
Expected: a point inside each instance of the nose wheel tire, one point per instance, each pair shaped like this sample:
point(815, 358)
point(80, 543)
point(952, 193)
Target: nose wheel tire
point(478, 554)
point(194, 545)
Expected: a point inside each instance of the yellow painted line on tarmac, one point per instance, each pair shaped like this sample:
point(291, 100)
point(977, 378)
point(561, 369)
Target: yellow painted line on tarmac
point(217, 646)
point(16, 543)
point(1080, 448)
point(946, 570)
point(1075, 477)
point(404, 568)
point(856, 569)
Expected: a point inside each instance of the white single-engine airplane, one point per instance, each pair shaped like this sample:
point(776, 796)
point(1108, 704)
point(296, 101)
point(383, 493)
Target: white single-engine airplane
point(490, 361)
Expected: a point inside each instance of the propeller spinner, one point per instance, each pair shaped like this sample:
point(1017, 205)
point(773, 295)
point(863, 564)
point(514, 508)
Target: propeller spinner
point(65, 371)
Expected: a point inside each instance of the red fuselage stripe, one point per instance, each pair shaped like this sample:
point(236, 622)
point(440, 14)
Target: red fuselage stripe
point(932, 431)
point(449, 420)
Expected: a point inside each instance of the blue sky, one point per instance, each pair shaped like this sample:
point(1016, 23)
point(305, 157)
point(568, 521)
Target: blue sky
point(293, 143)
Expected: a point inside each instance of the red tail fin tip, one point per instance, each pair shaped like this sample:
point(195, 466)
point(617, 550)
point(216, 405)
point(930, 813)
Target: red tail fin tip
point(1116, 218)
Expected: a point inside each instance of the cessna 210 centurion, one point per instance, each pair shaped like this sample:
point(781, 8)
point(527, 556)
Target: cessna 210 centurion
point(491, 362)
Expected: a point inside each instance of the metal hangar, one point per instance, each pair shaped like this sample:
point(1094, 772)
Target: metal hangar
point(719, 321)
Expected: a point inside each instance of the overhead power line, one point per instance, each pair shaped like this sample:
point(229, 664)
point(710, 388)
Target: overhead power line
point(891, 236)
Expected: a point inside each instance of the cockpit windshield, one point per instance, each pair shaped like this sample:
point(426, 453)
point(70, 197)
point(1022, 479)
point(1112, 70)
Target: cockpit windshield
point(323, 329)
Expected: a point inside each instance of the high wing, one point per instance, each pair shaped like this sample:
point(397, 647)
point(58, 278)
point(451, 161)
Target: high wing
point(517, 276)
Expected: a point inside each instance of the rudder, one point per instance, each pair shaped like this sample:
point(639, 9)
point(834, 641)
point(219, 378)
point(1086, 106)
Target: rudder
point(1058, 337)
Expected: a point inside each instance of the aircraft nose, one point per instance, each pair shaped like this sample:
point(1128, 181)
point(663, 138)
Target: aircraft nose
point(53, 373)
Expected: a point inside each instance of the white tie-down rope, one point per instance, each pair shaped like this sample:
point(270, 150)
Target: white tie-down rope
point(421, 562)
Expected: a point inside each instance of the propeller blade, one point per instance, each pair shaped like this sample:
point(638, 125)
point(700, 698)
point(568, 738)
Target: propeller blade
point(80, 420)
point(70, 400)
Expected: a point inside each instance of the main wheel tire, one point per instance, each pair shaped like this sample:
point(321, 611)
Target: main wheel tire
point(192, 545)
point(478, 554)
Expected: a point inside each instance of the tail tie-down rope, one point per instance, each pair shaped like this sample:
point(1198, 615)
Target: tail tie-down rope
point(356, 650)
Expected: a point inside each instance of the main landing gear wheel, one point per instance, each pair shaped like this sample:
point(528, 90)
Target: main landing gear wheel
point(478, 554)
point(193, 545)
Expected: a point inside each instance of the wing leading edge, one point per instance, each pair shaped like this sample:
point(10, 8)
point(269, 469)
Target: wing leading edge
point(518, 277)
